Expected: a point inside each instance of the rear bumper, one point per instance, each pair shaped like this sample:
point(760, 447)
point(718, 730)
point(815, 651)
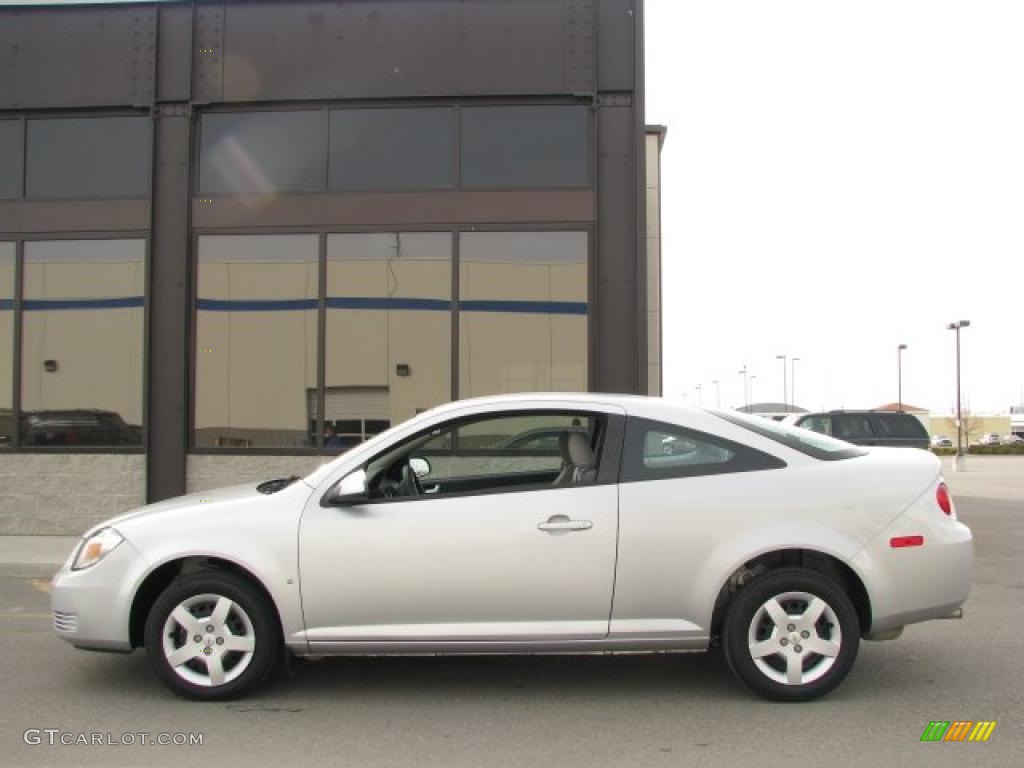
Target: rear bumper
point(91, 607)
point(907, 585)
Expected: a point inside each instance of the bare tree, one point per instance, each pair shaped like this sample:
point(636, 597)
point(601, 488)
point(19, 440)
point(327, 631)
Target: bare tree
point(972, 424)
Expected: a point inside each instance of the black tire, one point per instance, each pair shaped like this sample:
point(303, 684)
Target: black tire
point(739, 631)
point(266, 634)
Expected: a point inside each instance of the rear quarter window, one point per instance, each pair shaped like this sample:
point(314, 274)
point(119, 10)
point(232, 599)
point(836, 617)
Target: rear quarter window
point(657, 450)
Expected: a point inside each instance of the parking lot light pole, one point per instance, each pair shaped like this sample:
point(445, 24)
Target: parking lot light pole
point(718, 393)
point(785, 395)
point(743, 373)
point(958, 462)
point(899, 377)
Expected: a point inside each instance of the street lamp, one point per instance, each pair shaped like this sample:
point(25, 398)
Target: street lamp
point(792, 380)
point(785, 396)
point(743, 373)
point(899, 376)
point(718, 394)
point(959, 414)
point(699, 401)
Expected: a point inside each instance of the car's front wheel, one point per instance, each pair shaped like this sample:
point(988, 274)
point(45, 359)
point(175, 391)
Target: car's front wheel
point(791, 635)
point(212, 635)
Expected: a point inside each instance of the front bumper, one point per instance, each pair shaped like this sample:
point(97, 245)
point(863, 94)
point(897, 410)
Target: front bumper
point(92, 607)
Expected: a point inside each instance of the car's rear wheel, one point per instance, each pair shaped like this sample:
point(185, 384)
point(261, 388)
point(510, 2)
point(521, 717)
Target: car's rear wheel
point(791, 635)
point(212, 635)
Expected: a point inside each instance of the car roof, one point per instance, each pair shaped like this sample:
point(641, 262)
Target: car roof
point(629, 403)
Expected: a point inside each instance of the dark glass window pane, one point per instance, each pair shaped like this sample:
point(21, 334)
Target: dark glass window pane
point(256, 340)
point(10, 158)
point(523, 319)
point(524, 146)
point(659, 451)
point(899, 425)
point(392, 148)
point(7, 251)
point(88, 157)
point(852, 427)
point(261, 153)
point(376, 426)
point(82, 342)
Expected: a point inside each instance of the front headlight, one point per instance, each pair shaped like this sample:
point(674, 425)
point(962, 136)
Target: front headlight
point(96, 547)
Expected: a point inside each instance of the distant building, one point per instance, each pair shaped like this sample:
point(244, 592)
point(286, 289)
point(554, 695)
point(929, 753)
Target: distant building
point(1017, 420)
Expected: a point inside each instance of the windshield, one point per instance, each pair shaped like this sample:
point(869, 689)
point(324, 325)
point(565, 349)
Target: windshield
point(799, 439)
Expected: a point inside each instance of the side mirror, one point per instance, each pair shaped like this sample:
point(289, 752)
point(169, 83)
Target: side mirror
point(351, 490)
point(420, 466)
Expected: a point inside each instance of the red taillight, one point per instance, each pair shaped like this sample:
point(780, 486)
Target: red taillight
point(906, 541)
point(942, 497)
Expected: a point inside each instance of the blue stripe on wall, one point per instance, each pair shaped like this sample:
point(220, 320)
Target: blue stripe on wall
point(334, 302)
point(354, 302)
point(529, 307)
point(255, 305)
point(359, 302)
point(120, 302)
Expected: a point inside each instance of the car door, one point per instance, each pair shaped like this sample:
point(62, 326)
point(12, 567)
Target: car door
point(492, 551)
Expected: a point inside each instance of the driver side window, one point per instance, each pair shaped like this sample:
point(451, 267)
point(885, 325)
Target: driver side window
point(494, 453)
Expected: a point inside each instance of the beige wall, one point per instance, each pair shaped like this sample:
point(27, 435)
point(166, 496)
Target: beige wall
point(365, 347)
point(976, 425)
point(516, 352)
point(99, 352)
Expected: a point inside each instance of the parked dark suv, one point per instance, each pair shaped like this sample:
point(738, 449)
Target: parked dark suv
point(866, 427)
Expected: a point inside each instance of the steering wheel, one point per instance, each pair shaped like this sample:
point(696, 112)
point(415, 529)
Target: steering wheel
point(410, 484)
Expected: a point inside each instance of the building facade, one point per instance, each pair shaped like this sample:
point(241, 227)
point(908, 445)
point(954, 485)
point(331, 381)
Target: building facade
point(239, 237)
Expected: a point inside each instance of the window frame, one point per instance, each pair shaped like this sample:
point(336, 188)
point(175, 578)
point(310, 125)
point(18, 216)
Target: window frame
point(609, 454)
point(745, 458)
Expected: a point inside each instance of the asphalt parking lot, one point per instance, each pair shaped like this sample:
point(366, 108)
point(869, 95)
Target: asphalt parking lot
point(668, 710)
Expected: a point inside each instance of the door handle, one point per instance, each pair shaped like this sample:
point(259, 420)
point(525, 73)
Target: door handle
point(563, 523)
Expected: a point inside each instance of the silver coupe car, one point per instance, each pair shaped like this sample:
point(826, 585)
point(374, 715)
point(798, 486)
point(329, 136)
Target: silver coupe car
point(557, 523)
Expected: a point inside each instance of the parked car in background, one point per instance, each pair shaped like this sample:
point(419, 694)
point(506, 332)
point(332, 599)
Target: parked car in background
point(653, 527)
point(885, 428)
point(1013, 440)
point(80, 426)
point(941, 441)
point(989, 438)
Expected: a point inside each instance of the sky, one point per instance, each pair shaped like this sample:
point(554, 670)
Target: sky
point(839, 179)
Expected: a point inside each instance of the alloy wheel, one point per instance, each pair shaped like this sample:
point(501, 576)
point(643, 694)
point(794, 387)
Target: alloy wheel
point(208, 640)
point(794, 638)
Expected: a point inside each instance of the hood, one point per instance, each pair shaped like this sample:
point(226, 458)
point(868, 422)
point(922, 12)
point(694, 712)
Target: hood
point(207, 501)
